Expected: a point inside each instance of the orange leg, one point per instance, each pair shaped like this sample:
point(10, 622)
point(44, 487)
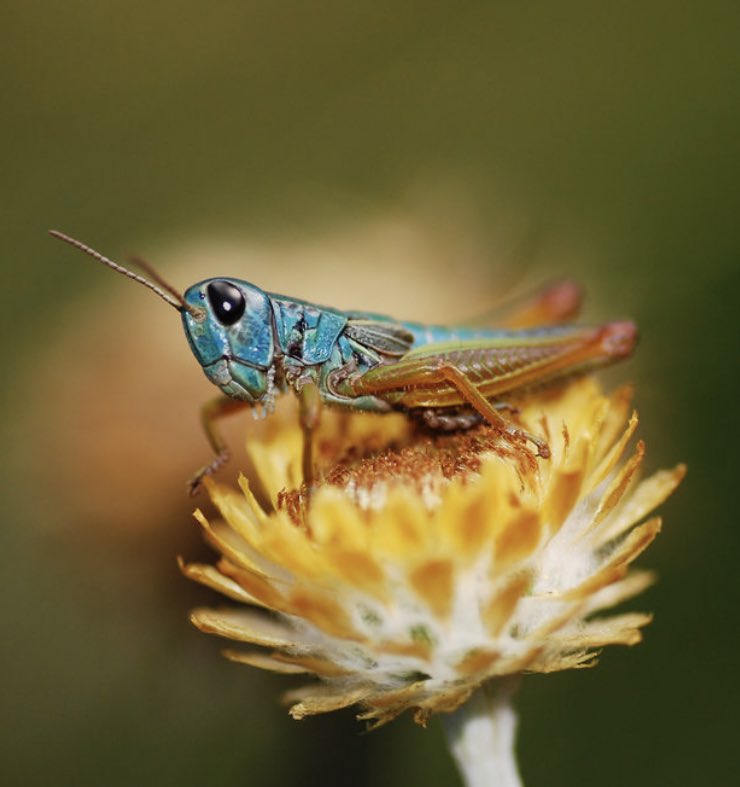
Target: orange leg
point(458, 378)
point(425, 372)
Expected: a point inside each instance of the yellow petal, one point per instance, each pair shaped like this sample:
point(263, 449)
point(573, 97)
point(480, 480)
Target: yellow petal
point(323, 610)
point(245, 626)
point(334, 520)
point(401, 529)
point(564, 487)
point(322, 699)
point(610, 461)
point(620, 484)
point(499, 609)
point(214, 579)
point(517, 539)
point(433, 581)
point(265, 661)
point(648, 495)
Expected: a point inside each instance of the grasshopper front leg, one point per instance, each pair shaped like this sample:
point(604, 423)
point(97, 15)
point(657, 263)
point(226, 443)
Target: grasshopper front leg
point(210, 413)
point(309, 410)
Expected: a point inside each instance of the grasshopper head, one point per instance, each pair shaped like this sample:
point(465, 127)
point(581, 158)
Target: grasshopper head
point(230, 331)
point(228, 322)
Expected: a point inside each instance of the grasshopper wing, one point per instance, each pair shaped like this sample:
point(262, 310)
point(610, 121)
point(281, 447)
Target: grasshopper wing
point(556, 303)
point(385, 337)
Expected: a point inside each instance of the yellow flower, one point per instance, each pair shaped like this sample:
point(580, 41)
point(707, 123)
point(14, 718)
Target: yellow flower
point(426, 565)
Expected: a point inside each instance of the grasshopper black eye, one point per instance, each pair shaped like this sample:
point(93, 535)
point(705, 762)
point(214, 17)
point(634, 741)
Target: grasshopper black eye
point(227, 302)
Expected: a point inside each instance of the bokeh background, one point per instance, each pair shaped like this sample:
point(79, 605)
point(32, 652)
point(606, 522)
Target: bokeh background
point(424, 158)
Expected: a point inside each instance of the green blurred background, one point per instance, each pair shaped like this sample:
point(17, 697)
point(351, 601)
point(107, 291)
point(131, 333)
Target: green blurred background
point(468, 148)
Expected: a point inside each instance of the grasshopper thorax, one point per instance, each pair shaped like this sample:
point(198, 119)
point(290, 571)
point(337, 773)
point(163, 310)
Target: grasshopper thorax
point(234, 339)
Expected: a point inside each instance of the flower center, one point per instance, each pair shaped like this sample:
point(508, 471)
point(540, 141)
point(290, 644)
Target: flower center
point(419, 460)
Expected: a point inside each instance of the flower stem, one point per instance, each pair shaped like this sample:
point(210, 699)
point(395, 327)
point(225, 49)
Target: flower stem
point(480, 734)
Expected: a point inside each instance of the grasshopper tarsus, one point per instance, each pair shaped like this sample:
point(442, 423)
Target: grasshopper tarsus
point(195, 485)
point(519, 437)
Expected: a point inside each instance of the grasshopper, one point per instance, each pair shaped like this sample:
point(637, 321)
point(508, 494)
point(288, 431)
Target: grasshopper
point(254, 345)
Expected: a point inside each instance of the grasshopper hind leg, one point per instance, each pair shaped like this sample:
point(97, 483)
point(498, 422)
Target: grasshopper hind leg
point(427, 372)
point(487, 409)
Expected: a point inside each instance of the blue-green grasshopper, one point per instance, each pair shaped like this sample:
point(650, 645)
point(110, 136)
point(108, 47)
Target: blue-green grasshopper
point(254, 345)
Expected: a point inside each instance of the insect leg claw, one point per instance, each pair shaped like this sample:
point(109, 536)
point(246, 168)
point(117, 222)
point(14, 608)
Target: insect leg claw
point(543, 449)
point(196, 482)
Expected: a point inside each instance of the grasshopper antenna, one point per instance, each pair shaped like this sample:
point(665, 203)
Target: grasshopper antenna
point(148, 268)
point(165, 291)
